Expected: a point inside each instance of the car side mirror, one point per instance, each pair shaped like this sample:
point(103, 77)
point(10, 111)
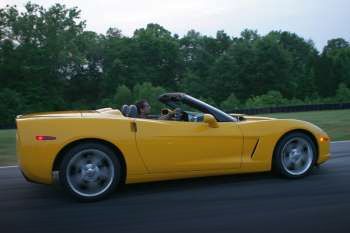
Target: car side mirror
point(210, 120)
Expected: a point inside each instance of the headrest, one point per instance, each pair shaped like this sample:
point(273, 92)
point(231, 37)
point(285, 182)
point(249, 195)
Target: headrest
point(132, 111)
point(125, 110)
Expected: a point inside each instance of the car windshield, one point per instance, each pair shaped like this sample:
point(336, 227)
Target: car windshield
point(207, 107)
point(195, 106)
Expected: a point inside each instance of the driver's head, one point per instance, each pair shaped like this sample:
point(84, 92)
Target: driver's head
point(143, 107)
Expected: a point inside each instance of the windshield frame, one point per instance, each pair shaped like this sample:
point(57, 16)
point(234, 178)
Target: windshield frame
point(170, 100)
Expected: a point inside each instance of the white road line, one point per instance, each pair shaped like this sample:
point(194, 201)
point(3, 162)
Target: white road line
point(348, 141)
point(4, 167)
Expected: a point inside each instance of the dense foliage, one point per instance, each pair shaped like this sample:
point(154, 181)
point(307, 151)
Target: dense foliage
point(48, 61)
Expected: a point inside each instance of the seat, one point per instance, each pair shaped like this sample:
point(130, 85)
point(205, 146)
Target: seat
point(132, 111)
point(125, 109)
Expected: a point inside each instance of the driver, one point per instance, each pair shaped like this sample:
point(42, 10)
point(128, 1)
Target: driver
point(144, 109)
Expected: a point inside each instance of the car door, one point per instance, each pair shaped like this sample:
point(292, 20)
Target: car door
point(173, 146)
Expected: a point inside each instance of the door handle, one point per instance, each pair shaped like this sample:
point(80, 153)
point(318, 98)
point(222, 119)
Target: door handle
point(133, 126)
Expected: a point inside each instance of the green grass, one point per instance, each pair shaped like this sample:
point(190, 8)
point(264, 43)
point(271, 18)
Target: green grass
point(8, 147)
point(335, 122)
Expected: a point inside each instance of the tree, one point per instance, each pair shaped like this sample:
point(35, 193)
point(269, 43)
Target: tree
point(224, 78)
point(192, 84)
point(252, 66)
point(198, 53)
point(87, 74)
point(334, 45)
point(333, 67)
point(114, 33)
point(119, 63)
point(158, 58)
point(249, 36)
point(11, 105)
point(303, 57)
point(47, 53)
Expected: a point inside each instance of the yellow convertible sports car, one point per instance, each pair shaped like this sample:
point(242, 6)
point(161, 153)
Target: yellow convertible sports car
point(91, 152)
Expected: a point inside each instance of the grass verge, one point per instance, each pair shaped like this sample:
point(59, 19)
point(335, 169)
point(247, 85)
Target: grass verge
point(335, 122)
point(8, 147)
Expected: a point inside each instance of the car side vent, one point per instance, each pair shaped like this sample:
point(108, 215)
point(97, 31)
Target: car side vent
point(256, 145)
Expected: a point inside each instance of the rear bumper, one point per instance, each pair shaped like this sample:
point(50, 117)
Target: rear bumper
point(28, 179)
point(35, 163)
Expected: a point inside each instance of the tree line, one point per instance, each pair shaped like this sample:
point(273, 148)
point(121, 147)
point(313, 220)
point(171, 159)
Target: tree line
point(49, 61)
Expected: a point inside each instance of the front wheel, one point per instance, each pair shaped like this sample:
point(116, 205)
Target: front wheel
point(295, 155)
point(90, 171)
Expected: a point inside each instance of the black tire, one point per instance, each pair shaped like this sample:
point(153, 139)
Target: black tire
point(81, 169)
point(286, 155)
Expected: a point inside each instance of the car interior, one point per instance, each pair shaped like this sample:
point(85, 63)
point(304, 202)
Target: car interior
point(179, 113)
point(182, 107)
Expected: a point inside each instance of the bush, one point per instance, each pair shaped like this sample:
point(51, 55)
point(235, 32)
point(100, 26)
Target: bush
point(294, 102)
point(122, 96)
point(231, 103)
point(270, 99)
point(342, 94)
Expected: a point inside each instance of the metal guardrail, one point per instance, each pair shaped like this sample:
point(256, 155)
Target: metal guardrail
point(296, 108)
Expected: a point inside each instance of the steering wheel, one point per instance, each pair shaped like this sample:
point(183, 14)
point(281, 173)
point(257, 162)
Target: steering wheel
point(165, 111)
point(179, 115)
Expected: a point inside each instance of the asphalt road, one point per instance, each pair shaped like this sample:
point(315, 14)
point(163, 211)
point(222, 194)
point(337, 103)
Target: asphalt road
point(243, 203)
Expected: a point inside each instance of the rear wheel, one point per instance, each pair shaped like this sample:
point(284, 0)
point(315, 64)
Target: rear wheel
point(90, 171)
point(295, 155)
